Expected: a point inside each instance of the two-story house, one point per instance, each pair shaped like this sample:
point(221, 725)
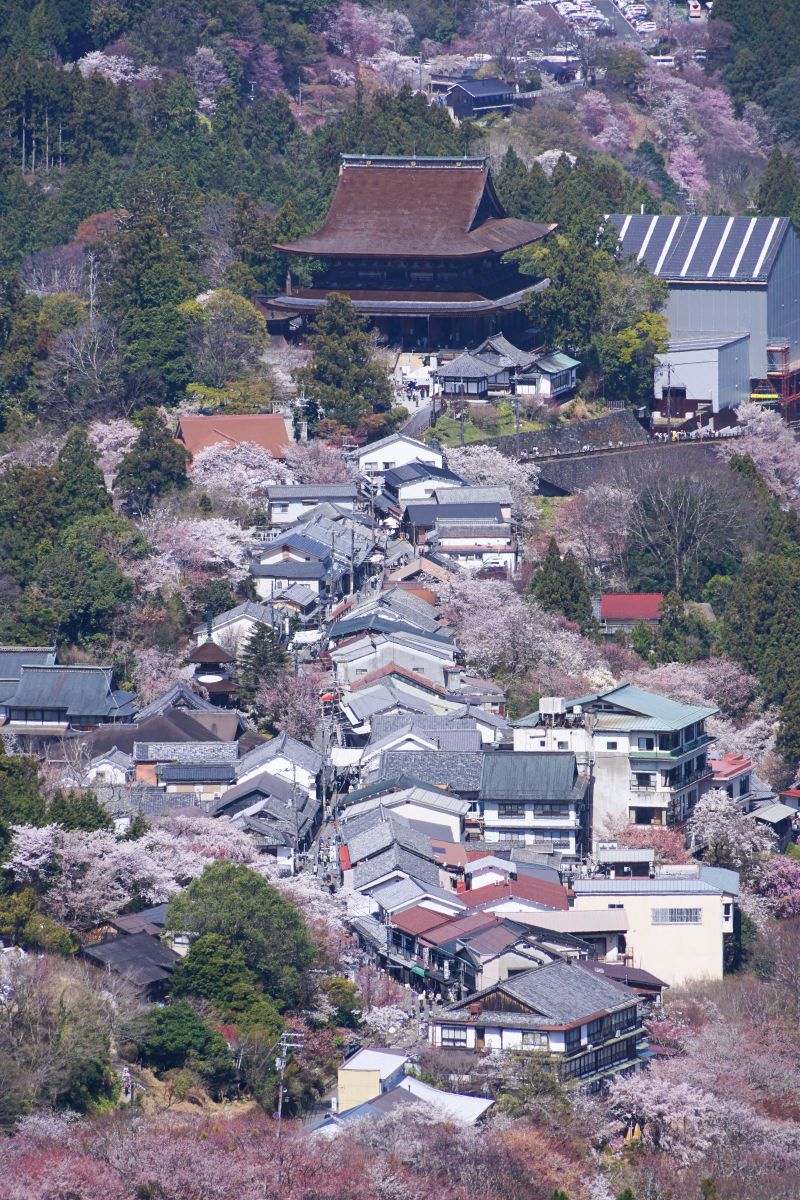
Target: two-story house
point(647, 756)
point(534, 799)
point(396, 450)
point(678, 921)
point(581, 1026)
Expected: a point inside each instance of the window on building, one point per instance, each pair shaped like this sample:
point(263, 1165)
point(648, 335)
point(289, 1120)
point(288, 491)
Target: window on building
point(646, 743)
point(611, 745)
point(616, 906)
point(534, 1040)
point(511, 810)
point(643, 779)
point(676, 916)
point(727, 910)
point(562, 746)
point(454, 1036)
point(744, 785)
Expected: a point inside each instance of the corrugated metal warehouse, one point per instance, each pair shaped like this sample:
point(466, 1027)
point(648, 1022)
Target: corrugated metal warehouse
point(727, 277)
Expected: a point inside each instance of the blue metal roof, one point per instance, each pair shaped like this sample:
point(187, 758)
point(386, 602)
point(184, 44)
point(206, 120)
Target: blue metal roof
point(692, 249)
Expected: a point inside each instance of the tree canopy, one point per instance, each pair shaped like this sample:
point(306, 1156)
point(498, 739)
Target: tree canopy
point(269, 932)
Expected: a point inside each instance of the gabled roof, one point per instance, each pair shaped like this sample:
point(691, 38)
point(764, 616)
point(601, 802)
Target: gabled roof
point(460, 772)
point(426, 208)
point(76, 691)
point(281, 746)
point(499, 344)
point(631, 606)
point(530, 775)
point(267, 430)
point(540, 892)
point(491, 86)
point(138, 957)
point(561, 993)
point(397, 437)
point(264, 613)
point(466, 366)
point(180, 695)
point(396, 858)
point(709, 250)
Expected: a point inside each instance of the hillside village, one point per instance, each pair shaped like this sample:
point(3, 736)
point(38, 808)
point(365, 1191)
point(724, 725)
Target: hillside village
point(399, 561)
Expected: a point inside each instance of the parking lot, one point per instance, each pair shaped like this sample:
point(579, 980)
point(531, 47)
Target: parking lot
point(625, 19)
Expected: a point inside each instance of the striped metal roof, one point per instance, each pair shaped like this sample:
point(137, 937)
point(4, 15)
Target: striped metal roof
point(720, 250)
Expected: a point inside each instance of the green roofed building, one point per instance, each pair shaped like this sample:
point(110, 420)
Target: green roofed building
point(648, 757)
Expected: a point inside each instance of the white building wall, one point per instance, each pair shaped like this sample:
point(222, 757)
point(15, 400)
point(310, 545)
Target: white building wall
point(676, 953)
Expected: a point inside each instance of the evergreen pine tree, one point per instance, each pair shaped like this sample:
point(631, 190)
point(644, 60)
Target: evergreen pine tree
point(560, 586)
point(344, 378)
point(78, 810)
point(155, 465)
point(779, 187)
point(260, 661)
point(82, 491)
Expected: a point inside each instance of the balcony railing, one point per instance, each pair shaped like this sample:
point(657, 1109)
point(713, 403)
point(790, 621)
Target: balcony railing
point(678, 752)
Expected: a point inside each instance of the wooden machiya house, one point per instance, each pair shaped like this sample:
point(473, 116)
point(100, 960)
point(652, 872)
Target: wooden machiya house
point(418, 244)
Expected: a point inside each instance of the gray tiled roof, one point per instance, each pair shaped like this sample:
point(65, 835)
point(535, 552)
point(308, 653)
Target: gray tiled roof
point(461, 772)
point(312, 491)
point(180, 695)
point(14, 658)
point(186, 752)
point(139, 957)
point(393, 896)
point(560, 993)
point(212, 772)
point(265, 784)
point(396, 857)
point(264, 613)
point(288, 569)
point(78, 691)
point(520, 775)
point(282, 745)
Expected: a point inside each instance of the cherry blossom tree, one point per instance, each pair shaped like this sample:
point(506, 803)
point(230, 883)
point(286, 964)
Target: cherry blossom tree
point(208, 76)
point(243, 471)
point(594, 526)
point(687, 169)
point(317, 462)
point(117, 68)
point(156, 671)
point(292, 702)
point(215, 544)
point(360, 33)
point(59, 269)
point(83, 877)
point(773, 448)
point(485, 466)
point(112, 439)
point(727, 836)
point(262, 65)
point(779, 883)
point(668, 844)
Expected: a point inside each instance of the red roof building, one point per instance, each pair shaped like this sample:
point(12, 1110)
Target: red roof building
point(267, 430)
point(620, 611)
point(538, 892)
point(418, 245)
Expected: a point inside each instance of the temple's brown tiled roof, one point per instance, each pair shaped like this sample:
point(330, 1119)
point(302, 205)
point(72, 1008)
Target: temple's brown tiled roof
point(397, 207)
point(267, 430)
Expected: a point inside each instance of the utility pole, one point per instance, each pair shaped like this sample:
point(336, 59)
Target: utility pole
point(287, 1044)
